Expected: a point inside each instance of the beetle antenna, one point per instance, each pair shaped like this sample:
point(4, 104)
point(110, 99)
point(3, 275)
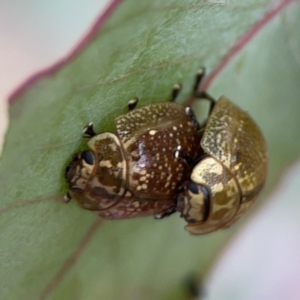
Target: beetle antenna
point(204, 95)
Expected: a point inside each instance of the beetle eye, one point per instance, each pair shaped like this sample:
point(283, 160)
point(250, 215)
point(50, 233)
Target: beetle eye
point(67, 169)
point(88, 157)
point(193, 187)
point(76, 190)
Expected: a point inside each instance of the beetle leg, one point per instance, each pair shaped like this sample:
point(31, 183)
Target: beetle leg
point(132, 103)
point(199, 76)
point(166, 213)
point(178, 153)
point(204, 95)
point(88, 131)
point(199, 158)
point(198, 94)
point(189, 160)
point(175, 91)
point(189, 112)
point(67, 197)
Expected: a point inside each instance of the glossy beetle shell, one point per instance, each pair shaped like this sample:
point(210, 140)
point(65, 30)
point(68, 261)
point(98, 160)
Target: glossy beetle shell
point(134, 172)
point(225, 183)
point(160, 160)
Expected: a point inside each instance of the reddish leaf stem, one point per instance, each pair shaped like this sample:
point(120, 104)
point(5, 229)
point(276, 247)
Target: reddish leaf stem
point(243, 41)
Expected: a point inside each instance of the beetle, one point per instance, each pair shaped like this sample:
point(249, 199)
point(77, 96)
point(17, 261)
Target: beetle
point(228, 178)
point(133, 172)
point(161, 161)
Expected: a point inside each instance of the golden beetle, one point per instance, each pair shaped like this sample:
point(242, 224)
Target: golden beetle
point(161, 161)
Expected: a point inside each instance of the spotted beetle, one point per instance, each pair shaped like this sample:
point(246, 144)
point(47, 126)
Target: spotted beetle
point(160, 160)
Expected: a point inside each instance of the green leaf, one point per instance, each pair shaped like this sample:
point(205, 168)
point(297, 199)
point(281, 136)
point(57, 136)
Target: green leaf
point(141, 51)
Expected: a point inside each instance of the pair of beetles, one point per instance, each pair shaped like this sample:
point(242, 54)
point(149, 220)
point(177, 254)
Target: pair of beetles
point(161, 161)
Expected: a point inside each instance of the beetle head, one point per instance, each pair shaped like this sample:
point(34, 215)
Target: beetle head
point(79, 171)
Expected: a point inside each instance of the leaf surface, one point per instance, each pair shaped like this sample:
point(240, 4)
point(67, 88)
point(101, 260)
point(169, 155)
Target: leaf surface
point(49, 249)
